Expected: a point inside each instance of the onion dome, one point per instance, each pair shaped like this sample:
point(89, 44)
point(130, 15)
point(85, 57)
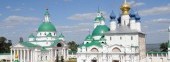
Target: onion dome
point(132, 13)
point(119, 19)
point(100, 30)
point(46, 26)
point(125, 8)
point(137, 17)
point(112, 15)
point(89, 38)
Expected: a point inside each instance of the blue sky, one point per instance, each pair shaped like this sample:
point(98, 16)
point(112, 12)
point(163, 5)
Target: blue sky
point(74, 18)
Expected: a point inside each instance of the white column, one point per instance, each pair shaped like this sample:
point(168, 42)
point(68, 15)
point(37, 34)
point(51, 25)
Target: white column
point(31, 56)
point(55, 53)
point(21, 55)
point(28, 56)
point(14, 54)
point(11, 55)
point(24, 55)
point(18, 54)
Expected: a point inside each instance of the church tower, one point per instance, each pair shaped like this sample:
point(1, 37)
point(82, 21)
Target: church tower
point(99, 20)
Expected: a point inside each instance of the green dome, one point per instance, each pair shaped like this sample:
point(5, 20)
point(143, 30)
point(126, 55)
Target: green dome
point(46, 26)
point(100, 29)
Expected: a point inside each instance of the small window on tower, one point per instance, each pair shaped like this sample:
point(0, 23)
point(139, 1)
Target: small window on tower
point(131, 37)
point(44, 33)
point(120, 38)
point(54, 33)
point(40, 33)
point(110, 38)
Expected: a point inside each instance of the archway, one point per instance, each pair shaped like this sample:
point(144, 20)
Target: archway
point(59, 45)
point(115, 61)
point(94, 50)
point(116, 49)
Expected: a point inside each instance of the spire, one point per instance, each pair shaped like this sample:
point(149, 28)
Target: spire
point(47, 16)
point(112, 15)
point(125, 8)
point(99, 14)
point(137, 17)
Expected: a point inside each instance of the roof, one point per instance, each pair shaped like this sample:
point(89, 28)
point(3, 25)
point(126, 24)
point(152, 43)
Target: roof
point(55, 42)
point(61, 36)
point(28, 44)
point(93, 43)
point(31, 36)
point(157, 52)
point(123, 30)
point(100, 29)
point(46, 26)
point(49, 35)
point(89, 38)
point(112, 15)
point(43, 49)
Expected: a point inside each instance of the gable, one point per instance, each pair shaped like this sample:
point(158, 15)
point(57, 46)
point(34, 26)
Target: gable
point(18, 45)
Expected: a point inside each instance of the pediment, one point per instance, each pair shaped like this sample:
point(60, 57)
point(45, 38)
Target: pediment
point(18, 45)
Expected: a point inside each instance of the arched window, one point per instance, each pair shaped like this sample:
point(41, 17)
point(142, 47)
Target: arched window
point(59, 45)
point(116, 49)
point(94, 50)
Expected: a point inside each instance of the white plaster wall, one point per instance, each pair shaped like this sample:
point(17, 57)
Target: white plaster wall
point(125, 20)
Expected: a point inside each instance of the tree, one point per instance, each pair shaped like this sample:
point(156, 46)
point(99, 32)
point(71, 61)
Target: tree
point(4, 45)
point(164, 47)
point(72, 45)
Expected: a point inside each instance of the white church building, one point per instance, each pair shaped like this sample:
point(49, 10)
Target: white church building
point(123, 41)
point(44, 46)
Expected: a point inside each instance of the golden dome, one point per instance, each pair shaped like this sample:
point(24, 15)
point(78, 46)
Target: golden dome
point(125, 8)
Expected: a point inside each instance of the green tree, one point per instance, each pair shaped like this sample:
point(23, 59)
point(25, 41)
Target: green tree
point(72, 45)
point(164, 47)
point(4, 45)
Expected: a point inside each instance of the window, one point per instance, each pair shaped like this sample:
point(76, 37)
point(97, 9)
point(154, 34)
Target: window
point(59, 45)
point(54, 33)
point(87, 42)
point(46, 57)
point(44, 33)
point(110, 38)
point(131, 37)
point(102, 42)
point(120, 38)
point(40, 33)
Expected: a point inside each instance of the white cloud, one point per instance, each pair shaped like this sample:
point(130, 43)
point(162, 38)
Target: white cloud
point(135, 4)
point(81, 27)
point(156, 10)
point(8, 7)
point(161, 20)
point(12, 21)
point(85, 16)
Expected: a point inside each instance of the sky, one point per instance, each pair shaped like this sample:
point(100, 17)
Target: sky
point(74, 18)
